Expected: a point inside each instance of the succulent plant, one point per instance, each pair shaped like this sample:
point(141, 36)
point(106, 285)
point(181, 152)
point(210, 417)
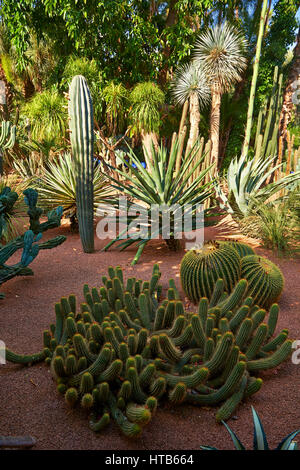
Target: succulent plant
point(259, 438)
point(82, 142)
point(200, 269)
point(265, 280)
point(29, 241)
point(124, 349)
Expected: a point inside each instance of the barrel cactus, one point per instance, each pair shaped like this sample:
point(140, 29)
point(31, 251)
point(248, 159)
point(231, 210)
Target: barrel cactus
point(265, 280)
point(82, 141)
point(201, 268)
point(124, 349)
point(243, 249)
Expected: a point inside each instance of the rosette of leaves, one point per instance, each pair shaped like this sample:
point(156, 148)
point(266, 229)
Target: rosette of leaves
point(157, 186)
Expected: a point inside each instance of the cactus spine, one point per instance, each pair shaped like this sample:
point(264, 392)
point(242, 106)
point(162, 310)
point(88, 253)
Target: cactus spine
point(82, 141)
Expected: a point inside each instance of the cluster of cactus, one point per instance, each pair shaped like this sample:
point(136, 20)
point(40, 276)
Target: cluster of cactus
point(82, 142)
point(28, 242)
point(231, 261)
point(124, 349)
point(7, 139)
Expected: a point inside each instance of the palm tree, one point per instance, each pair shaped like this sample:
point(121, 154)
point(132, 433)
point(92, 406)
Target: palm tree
point(221, 51)
point(146, 100)
point(190, 85)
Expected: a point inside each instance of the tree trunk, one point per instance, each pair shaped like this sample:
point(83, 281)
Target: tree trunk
point(149, 139)
point(254, 78)
point(215, 125)
point(194, 121)
point(170, 21)
point(294, 78)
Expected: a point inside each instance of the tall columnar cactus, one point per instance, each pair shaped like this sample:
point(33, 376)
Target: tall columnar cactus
point(122, 350)
point(265, 280)
point(82, 141)
point(267, 132)
point(7, 139)
point(29, 241)
point(201, 268)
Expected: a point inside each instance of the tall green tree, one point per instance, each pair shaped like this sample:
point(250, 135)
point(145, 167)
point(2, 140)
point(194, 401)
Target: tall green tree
point(133, 40)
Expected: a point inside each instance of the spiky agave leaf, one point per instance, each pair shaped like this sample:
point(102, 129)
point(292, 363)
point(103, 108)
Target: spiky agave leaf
point(246, 184)
point(157, 186)
point(191, 78)
point(222, 51)
point(58, 186)
point(259, 438)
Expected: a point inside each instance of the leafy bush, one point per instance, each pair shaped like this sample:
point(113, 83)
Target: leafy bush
point(48, 117)
point(89, 69)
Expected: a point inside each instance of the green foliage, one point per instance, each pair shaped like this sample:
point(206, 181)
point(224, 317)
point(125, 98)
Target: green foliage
point(57, 186)
point(221, 50)
point(29, 240)
point(48, 117)
point(157, 185)
point(259, 438)
point(131, 40)
point(130, 350)
point(115, 97)
point(265, 280)
point(88, 69)
point(246, 181)
point(146, 99)
point(279, 224)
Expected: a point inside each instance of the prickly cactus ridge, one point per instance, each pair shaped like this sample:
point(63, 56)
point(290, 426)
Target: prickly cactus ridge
point(200, 269)
point(82, 142)
point(265, 279)
point(28, 242)
point(124, 349)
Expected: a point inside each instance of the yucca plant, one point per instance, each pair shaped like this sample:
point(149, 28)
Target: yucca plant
point(246, 182)
point(190, 84)
point(259, 438)
point(157, 185)
point(221, 51)
point(57, 186)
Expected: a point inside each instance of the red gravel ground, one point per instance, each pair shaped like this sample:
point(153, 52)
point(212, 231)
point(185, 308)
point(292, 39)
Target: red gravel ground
point(29, 403)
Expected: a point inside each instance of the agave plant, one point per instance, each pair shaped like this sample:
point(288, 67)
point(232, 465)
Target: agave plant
point(246, 181)
point(57, 186)
point(259, 438)
point(157, 185)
